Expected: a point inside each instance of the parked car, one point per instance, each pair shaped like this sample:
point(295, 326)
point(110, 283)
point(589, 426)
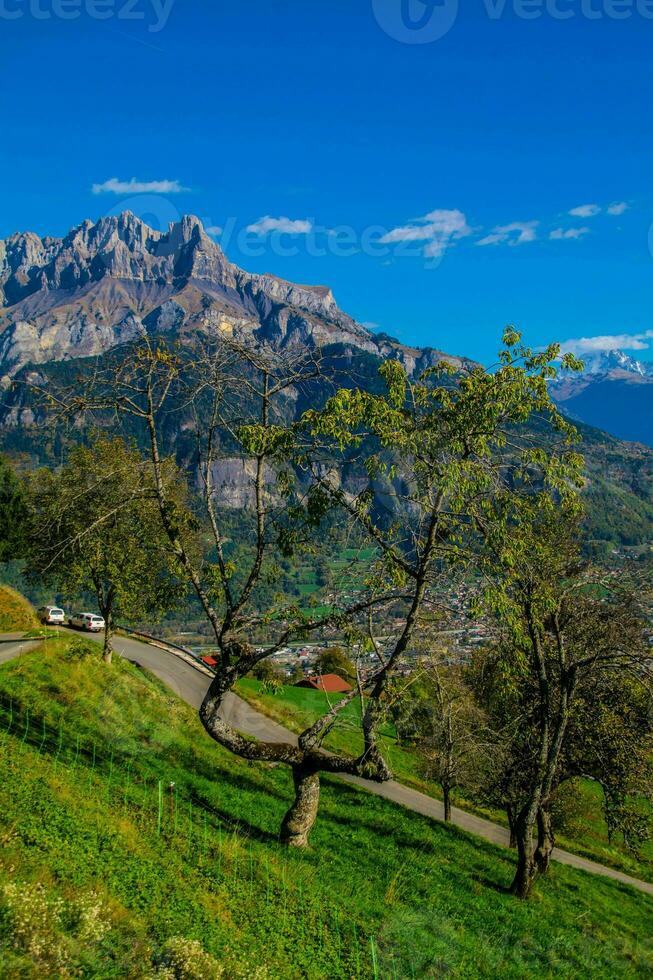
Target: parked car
point(51, 615)
point(86, 621)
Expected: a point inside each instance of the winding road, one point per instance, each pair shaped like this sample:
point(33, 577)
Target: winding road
point(189, 680)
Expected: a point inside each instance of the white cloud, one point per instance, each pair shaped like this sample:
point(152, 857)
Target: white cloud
point(586, 211)
point(517, 233)
point(133, 186)
point(268, 224)
point(407, 233)
point(568, 234)
point(213, 230)
point(437, 229)
point(619, 207)
point(436, 248)
point(620, 341)
point(449, 222)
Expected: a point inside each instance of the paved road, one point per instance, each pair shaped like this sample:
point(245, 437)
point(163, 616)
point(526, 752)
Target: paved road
point(190, 682)
point(12, 646)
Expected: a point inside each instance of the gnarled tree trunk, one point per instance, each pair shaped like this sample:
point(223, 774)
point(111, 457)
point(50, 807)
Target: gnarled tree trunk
point(526, 872)
point(305, 760)
point(298, 821)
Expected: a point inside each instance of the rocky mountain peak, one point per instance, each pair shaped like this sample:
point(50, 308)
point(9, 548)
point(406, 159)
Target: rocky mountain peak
point(107, 282)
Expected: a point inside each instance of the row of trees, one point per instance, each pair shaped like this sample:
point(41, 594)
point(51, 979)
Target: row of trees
point(562, 693)
point(447, 482)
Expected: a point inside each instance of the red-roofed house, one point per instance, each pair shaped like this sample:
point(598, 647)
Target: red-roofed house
point(330, 683)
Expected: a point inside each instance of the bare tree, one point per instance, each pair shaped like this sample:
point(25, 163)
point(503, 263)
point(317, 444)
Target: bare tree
point(237, 405)
point(455, 743)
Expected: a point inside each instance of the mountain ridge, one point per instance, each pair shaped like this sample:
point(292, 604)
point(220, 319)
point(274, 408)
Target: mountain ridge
point(604, 362)
point(109, 282)
point(614, 392)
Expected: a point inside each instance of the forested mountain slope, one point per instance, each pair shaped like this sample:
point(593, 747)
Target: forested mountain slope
point(66, 304)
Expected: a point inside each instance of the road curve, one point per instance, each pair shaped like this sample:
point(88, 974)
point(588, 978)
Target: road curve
point(190, 683)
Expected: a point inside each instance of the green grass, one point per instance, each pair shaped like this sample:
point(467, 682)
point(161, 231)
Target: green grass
point(16, 613)
point(83, 750)
point(348, 567)
point(296, 708)
point(587, 833)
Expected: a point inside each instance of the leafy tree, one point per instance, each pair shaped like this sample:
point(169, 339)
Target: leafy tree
point(458, 476)
point(439, 462)
point(610, 736)
point(96, 528)
point(334, 660)
point(266, 671)
point(14, 513)
point(296, 675)
point(322, 572)
point(567, 686)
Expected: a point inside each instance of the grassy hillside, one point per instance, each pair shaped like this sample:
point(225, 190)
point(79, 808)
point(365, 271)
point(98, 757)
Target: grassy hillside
point(107, 869)
point(587, 832)
point(16, 613)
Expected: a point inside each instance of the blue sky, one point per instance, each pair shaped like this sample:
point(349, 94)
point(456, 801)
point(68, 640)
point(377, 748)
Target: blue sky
point(429, 184)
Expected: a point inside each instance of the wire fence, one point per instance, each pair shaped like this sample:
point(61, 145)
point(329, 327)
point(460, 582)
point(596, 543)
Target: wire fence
point(190, 825)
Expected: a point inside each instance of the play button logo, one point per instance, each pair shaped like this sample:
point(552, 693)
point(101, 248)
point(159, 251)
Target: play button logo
point(416, 21)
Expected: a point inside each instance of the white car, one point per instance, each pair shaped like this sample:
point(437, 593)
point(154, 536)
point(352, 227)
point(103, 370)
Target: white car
point(86, 621)
point(51, 615)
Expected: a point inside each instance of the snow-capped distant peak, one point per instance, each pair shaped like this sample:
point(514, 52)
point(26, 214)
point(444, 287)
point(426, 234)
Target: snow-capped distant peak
point(603, 362)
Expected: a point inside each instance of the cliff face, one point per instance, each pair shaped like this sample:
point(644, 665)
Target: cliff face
point(107, 283)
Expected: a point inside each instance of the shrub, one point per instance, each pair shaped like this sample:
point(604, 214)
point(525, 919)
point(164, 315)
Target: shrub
point(185, 959)
point(32, 922)
point(80, 648)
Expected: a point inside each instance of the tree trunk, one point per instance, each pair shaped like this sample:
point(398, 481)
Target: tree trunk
point(446, 799)
point(512, 826)
point(107, 652)
point(545, 841)
point(526, 866)
point(298, 821)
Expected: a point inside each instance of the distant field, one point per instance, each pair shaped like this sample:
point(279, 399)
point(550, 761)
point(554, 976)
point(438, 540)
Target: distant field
point(125, 832)
point(347, 570)
point(297, 708)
